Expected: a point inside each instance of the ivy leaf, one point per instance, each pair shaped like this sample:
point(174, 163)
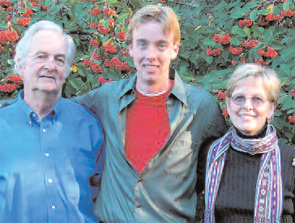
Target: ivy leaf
point(286, 69)
point(252, 54)
point(225, 54)
point(46, 3)
point(122, 17)
point(237, 30)
point(287, 54)
point(234, 41)
point(258, 31)
point(238, 14)
point(254, 15)
point(182, 70)
point(76, 83)
point(288, 104)
point(136, 3)
point(286, 5)
point(277, 43)
point(14, 20)
point(247, 31)
point(69, 91)
point(208, 42)
point(208, 59)
point(268, 35)
point(253, 4)
point(292, 32)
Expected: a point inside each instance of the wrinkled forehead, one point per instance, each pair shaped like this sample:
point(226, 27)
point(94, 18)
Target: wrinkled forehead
point(48, 41)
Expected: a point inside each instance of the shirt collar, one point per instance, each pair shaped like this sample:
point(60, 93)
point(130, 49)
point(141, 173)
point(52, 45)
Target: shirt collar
point(129, 87)
point(28, 113)
point(178, 89)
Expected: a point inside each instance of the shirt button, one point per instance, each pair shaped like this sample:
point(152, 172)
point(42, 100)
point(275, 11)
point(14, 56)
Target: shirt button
point(44, 130)
point(138, 206)
point(53, 207)
point(50, 181)
point(46, 154)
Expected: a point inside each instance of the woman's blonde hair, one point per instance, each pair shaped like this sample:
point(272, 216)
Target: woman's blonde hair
point(268, 76)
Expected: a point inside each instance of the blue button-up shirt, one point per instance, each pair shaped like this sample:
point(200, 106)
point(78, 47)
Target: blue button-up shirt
point(45, 165)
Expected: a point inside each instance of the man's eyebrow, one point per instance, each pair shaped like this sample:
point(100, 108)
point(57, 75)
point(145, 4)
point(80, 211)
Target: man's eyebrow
point(60, 55)
point(162, 41)
point(158, 41)
point(39, 52)
point(55, 55)
point(141, 40)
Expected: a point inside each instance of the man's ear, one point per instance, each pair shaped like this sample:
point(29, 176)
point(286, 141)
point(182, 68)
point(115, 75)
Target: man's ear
point(130, 47)
point(175, 50)
point(20, 69)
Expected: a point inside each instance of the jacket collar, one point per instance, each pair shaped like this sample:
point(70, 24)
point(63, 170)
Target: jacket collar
point(178, 89)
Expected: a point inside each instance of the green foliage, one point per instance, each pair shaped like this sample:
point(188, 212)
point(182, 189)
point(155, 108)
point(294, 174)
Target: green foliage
point(212, 72)
point(99, 39)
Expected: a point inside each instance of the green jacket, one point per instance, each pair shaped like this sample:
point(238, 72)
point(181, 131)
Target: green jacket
point(165, 191)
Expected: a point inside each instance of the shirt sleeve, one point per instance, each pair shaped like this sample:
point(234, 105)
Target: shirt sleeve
point(11, 210)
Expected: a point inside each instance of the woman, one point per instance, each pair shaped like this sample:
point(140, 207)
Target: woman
point(249, 173)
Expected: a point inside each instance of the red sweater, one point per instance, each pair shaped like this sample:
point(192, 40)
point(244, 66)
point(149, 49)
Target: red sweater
point(147, 128)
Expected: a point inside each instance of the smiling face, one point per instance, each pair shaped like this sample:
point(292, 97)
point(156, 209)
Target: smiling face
point(250, 117)
point(45, 68)
point(152, 51)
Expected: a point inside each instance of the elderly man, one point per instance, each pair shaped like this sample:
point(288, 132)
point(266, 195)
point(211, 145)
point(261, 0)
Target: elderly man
point(48, 145)
point(157, 128)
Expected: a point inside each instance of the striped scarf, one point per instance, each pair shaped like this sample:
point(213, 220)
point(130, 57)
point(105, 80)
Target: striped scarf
point(268, 195)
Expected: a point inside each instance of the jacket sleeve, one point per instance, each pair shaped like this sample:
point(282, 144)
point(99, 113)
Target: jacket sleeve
point(95, 178)
point(6, 102)
point(90, 100)
point(217, 128)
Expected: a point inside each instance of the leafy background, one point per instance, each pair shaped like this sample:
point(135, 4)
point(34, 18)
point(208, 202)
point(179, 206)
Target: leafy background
point(217, 36)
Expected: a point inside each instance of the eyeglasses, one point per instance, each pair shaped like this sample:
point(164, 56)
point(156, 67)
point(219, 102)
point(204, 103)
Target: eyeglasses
point(241, 100)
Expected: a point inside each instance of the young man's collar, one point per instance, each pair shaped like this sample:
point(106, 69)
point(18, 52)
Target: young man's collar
point(178, 89)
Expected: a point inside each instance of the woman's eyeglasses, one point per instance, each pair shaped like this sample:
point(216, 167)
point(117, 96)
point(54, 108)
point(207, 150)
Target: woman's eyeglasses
point(241, 100)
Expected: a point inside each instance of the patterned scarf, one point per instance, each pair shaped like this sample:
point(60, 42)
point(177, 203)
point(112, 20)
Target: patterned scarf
point(268, 195)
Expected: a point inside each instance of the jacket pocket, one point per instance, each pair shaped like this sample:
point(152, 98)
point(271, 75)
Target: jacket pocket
point(180, 158)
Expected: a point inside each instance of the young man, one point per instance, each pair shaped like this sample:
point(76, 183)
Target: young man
point(157, 128)
point(48, 145)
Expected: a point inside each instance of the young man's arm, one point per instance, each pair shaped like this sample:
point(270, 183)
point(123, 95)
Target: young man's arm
point(217, 128)
point(6, 102)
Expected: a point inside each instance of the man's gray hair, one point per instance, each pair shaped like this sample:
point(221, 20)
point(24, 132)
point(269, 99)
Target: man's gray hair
point(23, 46)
